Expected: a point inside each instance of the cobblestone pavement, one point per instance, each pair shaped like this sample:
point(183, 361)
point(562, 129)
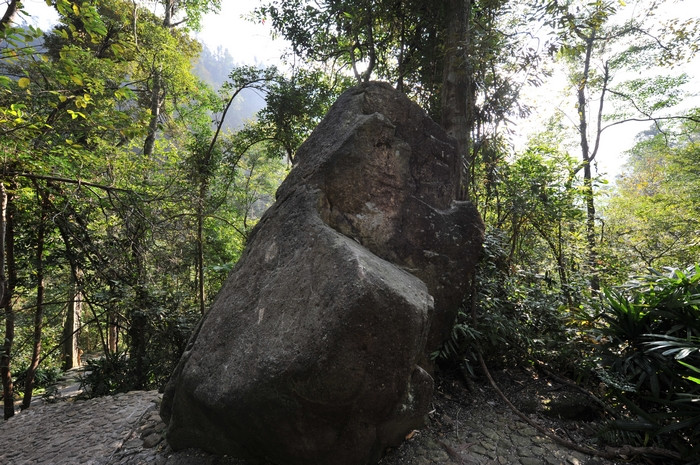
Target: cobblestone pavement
point(483, 434)
point(93, 431)
point(126, 429)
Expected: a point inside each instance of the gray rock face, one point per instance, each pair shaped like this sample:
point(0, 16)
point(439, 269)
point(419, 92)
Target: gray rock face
point(312, 351)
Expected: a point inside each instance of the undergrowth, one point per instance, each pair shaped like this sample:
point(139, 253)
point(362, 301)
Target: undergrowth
point(637, 345)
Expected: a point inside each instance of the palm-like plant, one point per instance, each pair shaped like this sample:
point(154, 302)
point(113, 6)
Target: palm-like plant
point(653, 327)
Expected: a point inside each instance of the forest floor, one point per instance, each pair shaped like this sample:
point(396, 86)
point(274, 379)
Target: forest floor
point(464, 427)
point(475, 426)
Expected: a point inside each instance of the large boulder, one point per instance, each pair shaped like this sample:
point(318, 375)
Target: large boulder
point(312, 351)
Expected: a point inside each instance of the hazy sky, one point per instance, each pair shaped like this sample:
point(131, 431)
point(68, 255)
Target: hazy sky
point(245, 40)
point(41, 15)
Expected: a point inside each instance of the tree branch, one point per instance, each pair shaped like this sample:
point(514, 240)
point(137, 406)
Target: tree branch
point(67, 180)
point(12, 8)
point(609, 453)
point(650, 118)
point(606, 79)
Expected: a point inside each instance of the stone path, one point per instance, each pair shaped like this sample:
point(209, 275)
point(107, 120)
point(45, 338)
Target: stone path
point(483, 434)
point(126, 429)
point(82, 432)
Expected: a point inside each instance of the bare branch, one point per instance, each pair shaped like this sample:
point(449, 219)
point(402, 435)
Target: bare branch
point(68, 181)
point(606, 79)
point(650, 119)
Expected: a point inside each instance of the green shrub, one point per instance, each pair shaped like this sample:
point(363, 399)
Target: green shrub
point(107, 375)
point(166, 336)
point(43, 378)
point(650, 360)
point(511, 317)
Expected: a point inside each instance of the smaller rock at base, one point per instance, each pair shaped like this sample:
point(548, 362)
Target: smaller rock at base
point(152, 440)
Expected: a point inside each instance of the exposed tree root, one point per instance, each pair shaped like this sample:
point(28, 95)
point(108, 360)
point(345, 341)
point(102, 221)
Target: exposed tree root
point(567, 382)
point(612, 453)
point(453, 454)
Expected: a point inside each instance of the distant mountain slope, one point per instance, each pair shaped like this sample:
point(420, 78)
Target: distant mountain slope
point(214, 67)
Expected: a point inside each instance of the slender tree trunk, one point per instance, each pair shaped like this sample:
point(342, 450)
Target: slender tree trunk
point(590, 228)
point(3, 228)
point(557, 253)
point(71, 357)
point(71, 354)
point(39, 313)
point(156, 103)
point(587, 160)
point(75, 297)
point(157, 93)
point(200, 242)
point(12, 7)
point(402, 49)
point(9, 282)
point(470, 106)
point(112, 331)
point(137, 340)
point(561, 267)
point(138, 320)
point(372, 52)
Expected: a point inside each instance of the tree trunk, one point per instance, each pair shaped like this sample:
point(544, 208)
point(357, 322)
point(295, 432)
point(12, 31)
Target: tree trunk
point(9, 16)
point(9, 281)
point(39, 313)
point(558, 254)
point(3, 223)
point(200, 244)
point(372, 51)
point(169, 6)
point(586, 160)
point(137, 341)
point(456, 89)
point(157, 92)
point(590, 228)
point(71, 354)
point(156, 103)
point(112, 331)
point(138, 320)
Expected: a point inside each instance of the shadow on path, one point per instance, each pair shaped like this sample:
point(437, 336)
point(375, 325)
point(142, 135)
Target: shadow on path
point(463, 427)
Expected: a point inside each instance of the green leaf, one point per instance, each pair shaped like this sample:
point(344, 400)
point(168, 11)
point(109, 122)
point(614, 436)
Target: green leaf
point(117, 49)
point(687, 365)
point(75, 114)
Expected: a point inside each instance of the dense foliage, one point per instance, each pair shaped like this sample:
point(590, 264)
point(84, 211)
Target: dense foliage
point(129, 185)
point(650, 359)
point(125, 201)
